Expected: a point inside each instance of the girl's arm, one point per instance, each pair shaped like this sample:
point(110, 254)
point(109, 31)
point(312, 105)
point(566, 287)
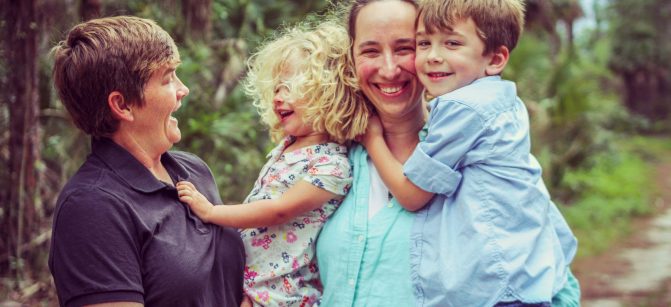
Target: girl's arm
point(300, 198)
point(409, 195)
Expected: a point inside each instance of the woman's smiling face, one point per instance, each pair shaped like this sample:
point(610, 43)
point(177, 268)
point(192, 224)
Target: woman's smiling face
point(384, 56)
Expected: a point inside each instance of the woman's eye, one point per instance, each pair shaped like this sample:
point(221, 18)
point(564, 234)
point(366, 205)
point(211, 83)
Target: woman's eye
point(368, 52)
point(407, 48)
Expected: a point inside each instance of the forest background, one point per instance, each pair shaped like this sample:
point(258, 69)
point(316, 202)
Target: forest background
point(595, 75)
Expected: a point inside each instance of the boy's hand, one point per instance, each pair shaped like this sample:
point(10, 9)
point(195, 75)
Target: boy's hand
point(188, 194)
point(373, 131)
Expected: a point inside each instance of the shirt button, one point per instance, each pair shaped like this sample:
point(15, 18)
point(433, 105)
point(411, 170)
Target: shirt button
point(390, 204)
point(361, 238)
point(351, 282)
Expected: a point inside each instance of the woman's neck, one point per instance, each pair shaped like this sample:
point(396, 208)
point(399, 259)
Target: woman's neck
point(401, 134)
point(150, 159)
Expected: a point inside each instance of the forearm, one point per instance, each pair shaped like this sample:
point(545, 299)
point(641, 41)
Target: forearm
point(260, 213)
point(410, 196)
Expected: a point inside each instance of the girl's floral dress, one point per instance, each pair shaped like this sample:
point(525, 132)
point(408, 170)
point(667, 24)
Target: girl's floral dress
point(281, 267)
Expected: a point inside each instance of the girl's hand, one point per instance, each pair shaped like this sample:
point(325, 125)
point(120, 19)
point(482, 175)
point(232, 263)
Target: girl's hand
point(188, 194)
point(373, 131)
point(246, 302)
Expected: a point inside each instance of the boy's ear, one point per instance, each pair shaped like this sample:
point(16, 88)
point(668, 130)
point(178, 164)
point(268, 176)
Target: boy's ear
point(120, 108)
point(499, 59)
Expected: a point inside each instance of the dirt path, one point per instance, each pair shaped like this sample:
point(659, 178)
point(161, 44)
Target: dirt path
point(637, 271)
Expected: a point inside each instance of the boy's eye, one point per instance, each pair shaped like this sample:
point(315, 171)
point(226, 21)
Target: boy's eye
point(423, 43)
point(452, 43)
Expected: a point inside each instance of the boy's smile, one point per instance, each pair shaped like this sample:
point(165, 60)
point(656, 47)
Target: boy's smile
point(448, 59)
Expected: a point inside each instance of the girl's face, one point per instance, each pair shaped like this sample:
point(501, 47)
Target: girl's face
point(289, 111)
point(384, 57)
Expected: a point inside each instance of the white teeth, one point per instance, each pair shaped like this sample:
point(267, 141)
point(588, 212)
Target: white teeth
point(390, 90)
point(438, 74)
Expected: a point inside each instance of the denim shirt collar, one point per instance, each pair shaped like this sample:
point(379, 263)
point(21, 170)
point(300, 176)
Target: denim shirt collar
point(130, 170)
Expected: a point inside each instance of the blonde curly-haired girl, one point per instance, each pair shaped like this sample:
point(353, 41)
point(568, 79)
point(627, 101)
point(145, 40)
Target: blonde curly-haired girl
point(304, 92)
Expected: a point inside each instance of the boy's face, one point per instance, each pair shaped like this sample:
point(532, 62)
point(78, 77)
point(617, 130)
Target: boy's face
point(450, 59)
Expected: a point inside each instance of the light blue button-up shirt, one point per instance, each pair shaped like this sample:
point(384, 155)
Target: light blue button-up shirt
point(491, 232)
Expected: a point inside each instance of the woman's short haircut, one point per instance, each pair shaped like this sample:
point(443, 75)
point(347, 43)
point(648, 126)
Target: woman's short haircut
point(499, 22)
point(323, 81)
point(105, 55)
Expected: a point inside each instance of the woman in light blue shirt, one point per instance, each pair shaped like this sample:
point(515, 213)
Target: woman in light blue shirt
point(364, 249)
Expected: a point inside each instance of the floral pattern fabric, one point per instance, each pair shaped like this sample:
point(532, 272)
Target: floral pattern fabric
point(281, 267)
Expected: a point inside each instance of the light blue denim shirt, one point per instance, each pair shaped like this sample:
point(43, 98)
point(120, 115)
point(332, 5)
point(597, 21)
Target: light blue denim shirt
point(491, 232)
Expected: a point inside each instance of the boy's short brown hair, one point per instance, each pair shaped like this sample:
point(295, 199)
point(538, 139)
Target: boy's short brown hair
point(105, 55)
point(499, 22)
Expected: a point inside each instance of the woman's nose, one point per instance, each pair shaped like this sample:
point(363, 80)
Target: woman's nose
point(182, 91)
point(390, 68)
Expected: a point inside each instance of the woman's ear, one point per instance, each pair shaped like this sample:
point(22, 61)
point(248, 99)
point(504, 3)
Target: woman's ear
point(121, 110)
point(499, 59)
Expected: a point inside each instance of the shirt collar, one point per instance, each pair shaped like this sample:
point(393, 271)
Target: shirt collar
point(122, 163)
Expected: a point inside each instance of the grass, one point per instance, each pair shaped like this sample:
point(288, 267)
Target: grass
point(618, 188)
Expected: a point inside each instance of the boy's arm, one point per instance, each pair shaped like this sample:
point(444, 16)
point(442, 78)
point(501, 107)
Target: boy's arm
point(300, 198)
point(410, 196)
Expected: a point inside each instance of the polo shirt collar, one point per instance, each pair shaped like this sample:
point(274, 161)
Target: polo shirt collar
point(129, 169)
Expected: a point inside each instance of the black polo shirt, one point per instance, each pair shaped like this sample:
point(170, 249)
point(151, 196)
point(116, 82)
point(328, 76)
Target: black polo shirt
point(119, 234)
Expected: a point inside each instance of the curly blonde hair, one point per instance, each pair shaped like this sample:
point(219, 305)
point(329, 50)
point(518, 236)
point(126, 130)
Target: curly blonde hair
point(324, 80)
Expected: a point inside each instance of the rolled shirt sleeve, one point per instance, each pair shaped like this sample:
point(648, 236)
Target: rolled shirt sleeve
point(453, 129)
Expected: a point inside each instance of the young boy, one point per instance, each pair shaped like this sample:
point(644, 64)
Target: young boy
point(490, 235)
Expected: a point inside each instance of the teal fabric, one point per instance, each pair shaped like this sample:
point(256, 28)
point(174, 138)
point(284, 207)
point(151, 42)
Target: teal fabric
point(569, 296)
point(365, 262)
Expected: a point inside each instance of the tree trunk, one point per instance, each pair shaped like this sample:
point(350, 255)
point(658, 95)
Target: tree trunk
point(647, 94)
point(20, 40)
point(197, 19)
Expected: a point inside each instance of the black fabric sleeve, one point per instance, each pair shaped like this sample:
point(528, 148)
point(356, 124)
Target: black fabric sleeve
point(96, 255)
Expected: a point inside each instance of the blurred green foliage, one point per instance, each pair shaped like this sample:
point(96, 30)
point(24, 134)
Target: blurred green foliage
point(621, 185)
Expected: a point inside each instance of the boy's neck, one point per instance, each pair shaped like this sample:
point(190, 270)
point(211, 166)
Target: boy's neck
point(467, 85)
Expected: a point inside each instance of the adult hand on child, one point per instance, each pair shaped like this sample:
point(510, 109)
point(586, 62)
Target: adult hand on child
point(188, 194)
